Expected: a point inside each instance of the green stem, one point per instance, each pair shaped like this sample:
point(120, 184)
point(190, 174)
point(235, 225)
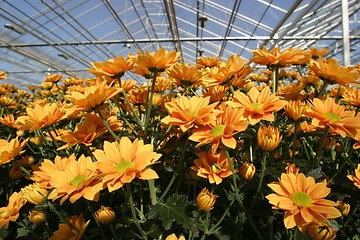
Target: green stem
point(270, 225)
point(24, 170)
point(323, 88)
point(103, 235)
point(262, 174)
point(212, 229)
point(129, 103)
point(133, 212)
point(343, 164)
point(258, 234)
point(149, 106)
point(299, 69)
point(113, 232)
point(251, 151)
point(206, 231)
point(152, 190)
point(61, 216)
point(274, 78)
point(180, 166)
point(233, 172)
point(106, 124)
point(319, 152)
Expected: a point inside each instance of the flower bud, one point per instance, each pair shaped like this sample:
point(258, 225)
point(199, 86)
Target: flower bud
point(343, 207)
point(268, 138)
point(247, 170)
point(104, 215)
point(245, 156)
point(174, 237)
point(339, 148)
point(291, 168)
point(20, 133)
point(329, 143)
point(15, 172)
point(27, 161)
point(37, 140)
point(37, 217)
point(34, 193)
point(321, 231)
point(206, 200)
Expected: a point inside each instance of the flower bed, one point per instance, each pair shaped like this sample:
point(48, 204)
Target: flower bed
point(212, 151)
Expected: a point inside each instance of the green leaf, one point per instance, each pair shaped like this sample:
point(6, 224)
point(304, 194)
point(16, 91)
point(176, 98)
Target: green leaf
point(22, 231)
point(173, 210)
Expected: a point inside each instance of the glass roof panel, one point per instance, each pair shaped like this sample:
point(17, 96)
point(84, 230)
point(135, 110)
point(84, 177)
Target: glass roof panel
point(65, 36)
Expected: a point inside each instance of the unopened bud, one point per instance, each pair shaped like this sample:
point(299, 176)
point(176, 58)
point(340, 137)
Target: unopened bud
point(104, 215)
point(247, 170)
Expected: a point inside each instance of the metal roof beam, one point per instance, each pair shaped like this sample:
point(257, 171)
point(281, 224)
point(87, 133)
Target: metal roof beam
point(229, 26)
point(282, 21)
point(294, 22)
point(120, 22)
point(189, 39)
point(170, 11)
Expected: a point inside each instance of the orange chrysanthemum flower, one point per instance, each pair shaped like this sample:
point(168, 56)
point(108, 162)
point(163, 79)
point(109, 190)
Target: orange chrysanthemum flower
point(185, 112)
point(185, 75)
point(10, 213)
point(268, 138)
point(120, 162)
point(67, 231)
point(45, 172)
point(80, 178)
point(330, 70)
point(352, 97)
point(257, 105)
point(296, 109)
point(7, 102)
point(330, 114)
point(227, 123)
point(302, 199)
point(207, 62)
point(34, 193)
point(40, 117)
point(54, 78)
point(113, 67)
point(9, 150)
point(214, 167)
point(316, 53)
point(174, 237)
point(85, 132)
point(355, 178)
point(156, 61)
point(216, 93)
point(3, 75)
point(275, 57)
point(227, 70)
point(9, 121)
point(93, 96)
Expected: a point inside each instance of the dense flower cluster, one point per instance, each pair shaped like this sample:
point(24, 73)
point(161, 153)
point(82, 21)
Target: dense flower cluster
point(200, 150)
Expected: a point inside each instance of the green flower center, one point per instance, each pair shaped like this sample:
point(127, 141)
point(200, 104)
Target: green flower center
point(217, 130)
point(215, 167)
point(256, 106)
point(301, 199)
point(121, 167)
point(79, 181)
point(333, 117)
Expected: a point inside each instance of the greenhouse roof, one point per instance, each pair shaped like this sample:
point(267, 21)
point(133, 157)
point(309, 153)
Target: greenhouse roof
point(64, 36)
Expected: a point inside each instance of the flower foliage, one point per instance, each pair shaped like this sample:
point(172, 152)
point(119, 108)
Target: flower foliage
point(215, 149)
